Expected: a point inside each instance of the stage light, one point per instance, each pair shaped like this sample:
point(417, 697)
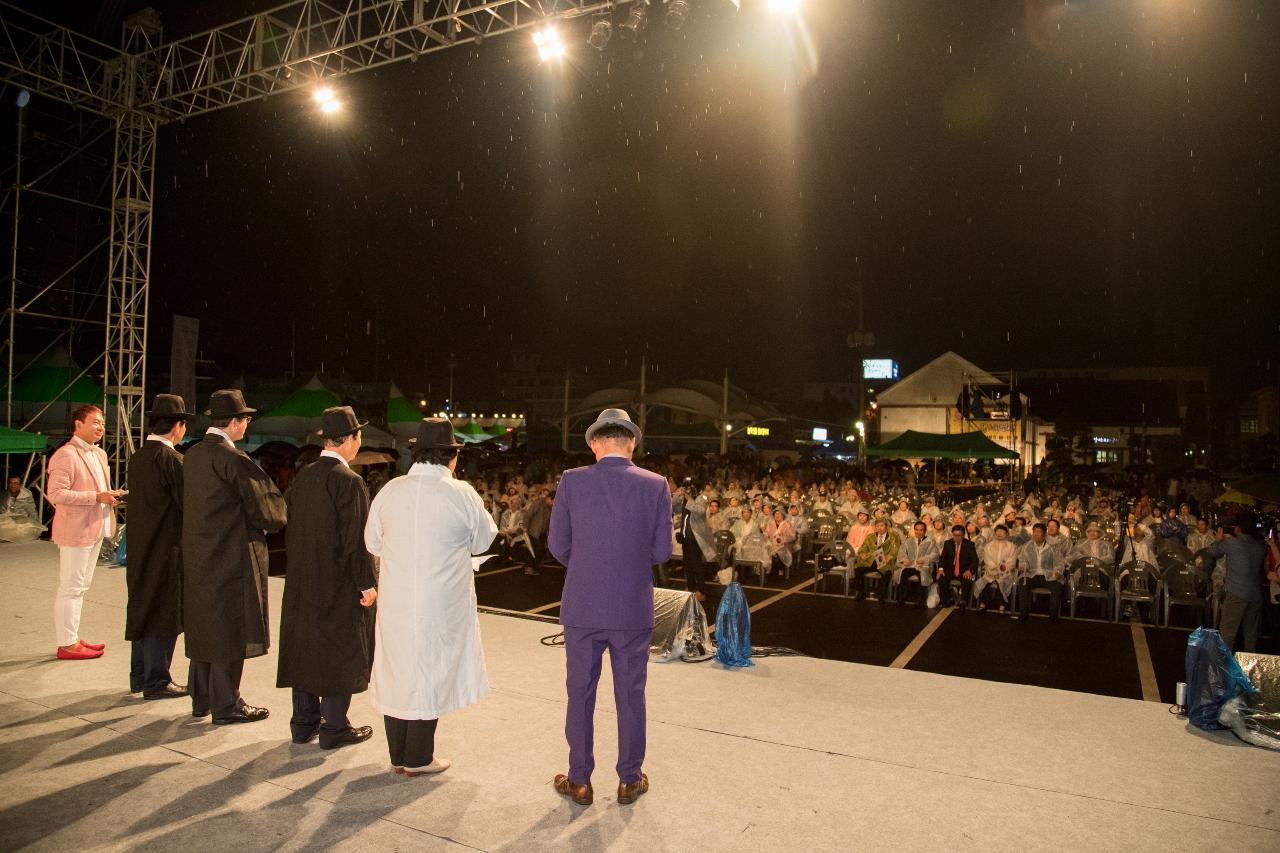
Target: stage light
point(677, 13)
point(548, 43)
point(601, 32)
point(784, 6)
point(637, 19)
point(327, 99)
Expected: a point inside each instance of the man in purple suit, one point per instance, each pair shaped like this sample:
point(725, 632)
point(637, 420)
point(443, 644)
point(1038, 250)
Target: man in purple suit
point(610, 525)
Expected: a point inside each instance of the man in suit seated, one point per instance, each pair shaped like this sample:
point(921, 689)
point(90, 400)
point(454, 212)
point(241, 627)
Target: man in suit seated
point(958, 561)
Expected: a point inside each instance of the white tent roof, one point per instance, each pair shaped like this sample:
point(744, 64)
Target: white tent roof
point(694, 396)
point(937, 383)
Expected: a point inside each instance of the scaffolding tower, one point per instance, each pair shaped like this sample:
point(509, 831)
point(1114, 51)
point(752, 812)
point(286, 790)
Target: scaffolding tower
point(147, 82)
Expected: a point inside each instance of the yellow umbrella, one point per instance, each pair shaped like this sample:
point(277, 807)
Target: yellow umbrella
point(1231, 496)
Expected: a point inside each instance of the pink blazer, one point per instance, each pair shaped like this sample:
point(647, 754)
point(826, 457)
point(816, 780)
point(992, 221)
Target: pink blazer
point(73, 491)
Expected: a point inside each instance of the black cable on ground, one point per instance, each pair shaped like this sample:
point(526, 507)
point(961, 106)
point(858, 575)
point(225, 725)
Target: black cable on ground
point(553, 639)
point(776, 651)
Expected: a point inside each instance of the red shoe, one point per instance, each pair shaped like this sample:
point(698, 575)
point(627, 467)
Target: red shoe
point(97, 647)
point(79, 652)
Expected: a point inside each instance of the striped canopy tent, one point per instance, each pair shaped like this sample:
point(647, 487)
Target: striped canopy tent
point(299, 415)
point(472, 433)
point(402, 416)
point(45, 392)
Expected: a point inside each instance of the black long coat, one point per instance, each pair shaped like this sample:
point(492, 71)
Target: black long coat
point(154, 570)
point(326, 636)
point(228, 501)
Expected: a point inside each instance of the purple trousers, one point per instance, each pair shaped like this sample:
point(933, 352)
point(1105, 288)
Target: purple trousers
point(629, 660)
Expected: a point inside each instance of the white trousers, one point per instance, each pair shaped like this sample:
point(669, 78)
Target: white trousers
point(75, 574)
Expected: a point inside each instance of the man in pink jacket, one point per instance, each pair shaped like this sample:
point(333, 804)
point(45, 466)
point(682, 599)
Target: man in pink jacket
point(79, 487)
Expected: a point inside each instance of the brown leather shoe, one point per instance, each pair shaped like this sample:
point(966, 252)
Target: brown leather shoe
point(629, 791)
point(580, 794)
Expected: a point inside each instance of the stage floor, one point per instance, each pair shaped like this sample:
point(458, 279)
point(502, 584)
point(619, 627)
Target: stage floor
point(793, 754)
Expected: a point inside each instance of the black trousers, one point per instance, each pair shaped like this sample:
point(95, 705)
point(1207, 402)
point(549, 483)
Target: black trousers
point(412, 743)
point(695, 567)
point(992, 597)
point(149, 662)
point(215, 686)
point(882, 582)
point(539, 544)
point(1041, 582)
point(945, 595)
point(328, 713)
point(909, 575)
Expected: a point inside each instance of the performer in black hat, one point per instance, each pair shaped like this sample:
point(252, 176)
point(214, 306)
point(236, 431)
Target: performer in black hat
point(229, 505)
point(153, 618)
point(428, 660)
point(326, 623)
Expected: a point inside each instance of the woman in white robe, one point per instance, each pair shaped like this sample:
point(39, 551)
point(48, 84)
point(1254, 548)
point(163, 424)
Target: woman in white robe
point(999, 563)
point(428, 659)
point(903, 516)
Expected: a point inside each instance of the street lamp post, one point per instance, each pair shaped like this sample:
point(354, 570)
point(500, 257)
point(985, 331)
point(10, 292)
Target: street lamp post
point(453, 363)
point(859, 341)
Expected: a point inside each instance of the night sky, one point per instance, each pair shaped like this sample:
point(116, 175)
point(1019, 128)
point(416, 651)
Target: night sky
point(1030, 184)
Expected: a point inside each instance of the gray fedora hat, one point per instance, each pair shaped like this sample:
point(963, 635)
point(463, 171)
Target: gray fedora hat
point(435, 433)
point(228, 403)
point(339, 421)
point(613, 417)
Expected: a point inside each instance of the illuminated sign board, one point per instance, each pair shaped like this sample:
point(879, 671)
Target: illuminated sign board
point(758, 430)
point(819, 434)
point(879, 368)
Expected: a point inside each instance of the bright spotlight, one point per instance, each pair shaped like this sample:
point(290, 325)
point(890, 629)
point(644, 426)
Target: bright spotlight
point(677, 13)
point(323, 94)
point(784, 6)
point(601, 32)
point(637, 19)
point(330, 107)
point(548, 42)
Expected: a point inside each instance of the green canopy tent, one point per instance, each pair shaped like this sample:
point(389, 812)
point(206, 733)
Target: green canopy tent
point(49, 388)
point(15, 441)
point(914, 446)
point(930, 445)
point(472, 433)
point(497, 430)
point(403, 417)
point(299, 415)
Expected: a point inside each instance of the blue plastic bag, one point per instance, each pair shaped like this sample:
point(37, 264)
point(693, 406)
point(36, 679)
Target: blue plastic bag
point(122, 552)
point(733, 628)
point(1213, 678)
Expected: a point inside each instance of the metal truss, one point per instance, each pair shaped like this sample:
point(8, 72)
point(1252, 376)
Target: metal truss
point(133, 185)
point(148, 82)
point(296, 44)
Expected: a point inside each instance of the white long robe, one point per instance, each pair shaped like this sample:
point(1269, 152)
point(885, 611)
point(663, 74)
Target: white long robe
point(428, 659)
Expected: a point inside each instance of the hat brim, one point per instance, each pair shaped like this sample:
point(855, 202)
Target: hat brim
point(183, 416)
point(414, 441)
point(208, 413)
point(630, 426)
point(355, 428)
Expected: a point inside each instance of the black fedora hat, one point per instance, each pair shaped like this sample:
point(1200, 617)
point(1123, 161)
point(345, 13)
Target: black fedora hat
point(339, 421)
point(228, 403)
point(435, 433)
point(169, 406)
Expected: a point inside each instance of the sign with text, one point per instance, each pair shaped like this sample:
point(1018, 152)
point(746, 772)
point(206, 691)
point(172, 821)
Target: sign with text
point(879, 368)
